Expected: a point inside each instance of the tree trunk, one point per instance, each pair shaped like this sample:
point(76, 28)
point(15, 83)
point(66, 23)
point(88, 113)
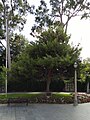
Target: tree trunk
point(48, 84)
point(48, 81)
point(87, 87)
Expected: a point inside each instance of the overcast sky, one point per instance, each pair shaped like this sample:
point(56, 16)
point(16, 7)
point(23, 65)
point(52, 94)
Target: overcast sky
point(79, 30)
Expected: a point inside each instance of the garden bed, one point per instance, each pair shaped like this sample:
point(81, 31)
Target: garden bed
point(54, 98)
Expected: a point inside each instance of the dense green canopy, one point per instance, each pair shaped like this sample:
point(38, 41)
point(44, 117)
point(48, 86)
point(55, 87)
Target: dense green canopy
point(50, 57)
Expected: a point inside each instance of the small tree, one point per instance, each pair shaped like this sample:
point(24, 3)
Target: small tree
point(85, 72)
point(49, 56)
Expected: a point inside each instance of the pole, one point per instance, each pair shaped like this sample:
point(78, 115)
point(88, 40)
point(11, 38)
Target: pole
point(8, 48)
point(8, 59)
point(75, 97)
point(6, 55)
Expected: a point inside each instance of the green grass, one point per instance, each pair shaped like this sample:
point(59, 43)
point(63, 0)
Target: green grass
point(32, 95)
point(18, 95)
point(60, 94)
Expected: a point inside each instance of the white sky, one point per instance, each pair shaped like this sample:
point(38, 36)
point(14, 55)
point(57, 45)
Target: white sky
point(80, 33)
point(79, 30)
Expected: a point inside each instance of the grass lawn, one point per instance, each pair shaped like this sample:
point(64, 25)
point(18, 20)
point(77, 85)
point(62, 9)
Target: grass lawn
point(62, 94)
point(33, 94)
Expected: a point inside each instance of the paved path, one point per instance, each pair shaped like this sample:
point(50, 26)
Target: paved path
point(45, 112)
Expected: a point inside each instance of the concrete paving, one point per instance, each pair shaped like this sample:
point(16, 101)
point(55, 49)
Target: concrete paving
point(45, 112)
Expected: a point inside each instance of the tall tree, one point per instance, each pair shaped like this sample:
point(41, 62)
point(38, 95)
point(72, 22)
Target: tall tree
point(18, 44)
point(13, 13)
point(61, 11)
point(16, 11)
